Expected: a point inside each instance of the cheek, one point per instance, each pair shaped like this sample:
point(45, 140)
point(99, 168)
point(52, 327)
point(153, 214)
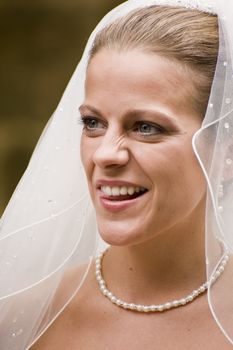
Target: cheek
point(185, 180)
point(86, 161)
point(88, 147)
point(82, 148)
point(86, 152)
point(174, 171)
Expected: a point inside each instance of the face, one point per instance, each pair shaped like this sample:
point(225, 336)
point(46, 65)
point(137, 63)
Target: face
point(136, 146)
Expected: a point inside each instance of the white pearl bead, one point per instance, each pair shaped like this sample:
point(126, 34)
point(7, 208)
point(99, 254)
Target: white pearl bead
point(113, 299)
point(109, 295)
point(146, 308)
point(168, 306)
point(161, 308)
point(132, 306)
point(213, 278)
point(189, 298)
point(154, 308)
point(139, 307)
point(182, 301)
point(201, 289)
point(119, 302)
point(103, 288)
point(175, 303)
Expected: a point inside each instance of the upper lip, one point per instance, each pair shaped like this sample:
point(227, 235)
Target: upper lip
point(119, 183)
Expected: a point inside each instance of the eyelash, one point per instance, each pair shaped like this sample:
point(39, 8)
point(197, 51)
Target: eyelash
point(157, 127)
point(84, 120)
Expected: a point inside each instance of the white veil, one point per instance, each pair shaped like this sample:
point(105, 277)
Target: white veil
point(213, 145)
point(48, 229)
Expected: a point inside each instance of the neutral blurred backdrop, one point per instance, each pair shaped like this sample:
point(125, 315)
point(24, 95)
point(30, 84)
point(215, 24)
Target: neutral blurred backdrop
point(41, 42)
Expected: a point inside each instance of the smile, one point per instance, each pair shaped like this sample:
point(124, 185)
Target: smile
point(118, 198)
point(122, 191)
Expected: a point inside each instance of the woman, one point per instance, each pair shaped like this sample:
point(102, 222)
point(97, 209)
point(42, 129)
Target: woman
point(143, 90)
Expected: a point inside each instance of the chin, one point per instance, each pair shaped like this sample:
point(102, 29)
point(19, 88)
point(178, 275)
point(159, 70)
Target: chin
point(115, 240)
point(121, 237)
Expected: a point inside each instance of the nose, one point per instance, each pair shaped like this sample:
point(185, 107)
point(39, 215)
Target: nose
point(112, 151)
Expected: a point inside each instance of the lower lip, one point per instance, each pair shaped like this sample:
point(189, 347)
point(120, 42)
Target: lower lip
point(116, 206)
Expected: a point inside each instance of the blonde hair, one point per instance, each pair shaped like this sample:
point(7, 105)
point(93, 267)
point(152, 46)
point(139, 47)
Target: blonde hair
point(187, 36)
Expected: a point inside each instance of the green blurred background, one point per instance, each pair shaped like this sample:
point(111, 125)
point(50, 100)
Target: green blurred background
point(41, 44)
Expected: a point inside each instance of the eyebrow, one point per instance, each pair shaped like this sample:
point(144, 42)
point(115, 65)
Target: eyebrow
point(92, 109)
point(137, 112)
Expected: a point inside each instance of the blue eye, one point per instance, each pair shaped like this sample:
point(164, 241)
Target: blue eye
point(148, 129)
point(91, 123)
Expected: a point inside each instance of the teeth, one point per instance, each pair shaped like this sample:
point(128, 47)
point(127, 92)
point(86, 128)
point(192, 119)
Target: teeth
point(115, 191)
point(121, 190)
point(108, 190)
point(131, 190)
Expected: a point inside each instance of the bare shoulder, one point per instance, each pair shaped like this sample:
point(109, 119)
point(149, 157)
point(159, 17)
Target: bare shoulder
point(75, 315)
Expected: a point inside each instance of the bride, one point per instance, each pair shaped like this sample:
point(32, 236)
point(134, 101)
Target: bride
point(144, 128)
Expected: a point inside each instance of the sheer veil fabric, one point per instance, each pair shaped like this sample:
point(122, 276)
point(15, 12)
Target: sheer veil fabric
point(48, 229)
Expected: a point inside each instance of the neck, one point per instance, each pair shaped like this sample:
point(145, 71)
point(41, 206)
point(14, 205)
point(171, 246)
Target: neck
point(170, 265)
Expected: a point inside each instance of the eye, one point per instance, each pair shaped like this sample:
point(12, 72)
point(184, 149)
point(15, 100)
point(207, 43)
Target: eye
point(147, 129)
point(92, 124)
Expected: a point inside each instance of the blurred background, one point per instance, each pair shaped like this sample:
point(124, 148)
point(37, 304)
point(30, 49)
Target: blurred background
point(41, 43)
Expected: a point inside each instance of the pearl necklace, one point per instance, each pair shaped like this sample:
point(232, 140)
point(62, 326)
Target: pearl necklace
point(154, 308)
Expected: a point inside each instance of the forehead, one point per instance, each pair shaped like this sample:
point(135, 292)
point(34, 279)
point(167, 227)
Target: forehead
point(116, 80)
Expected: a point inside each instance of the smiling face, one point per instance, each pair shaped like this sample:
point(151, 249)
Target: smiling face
point(136, 146)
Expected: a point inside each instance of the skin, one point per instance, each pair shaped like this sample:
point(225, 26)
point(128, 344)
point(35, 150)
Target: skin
point(117, 150)
point(157, 251)
point(171, 213)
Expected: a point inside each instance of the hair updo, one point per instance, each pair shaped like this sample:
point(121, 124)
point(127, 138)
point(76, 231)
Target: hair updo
point(187, 36)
